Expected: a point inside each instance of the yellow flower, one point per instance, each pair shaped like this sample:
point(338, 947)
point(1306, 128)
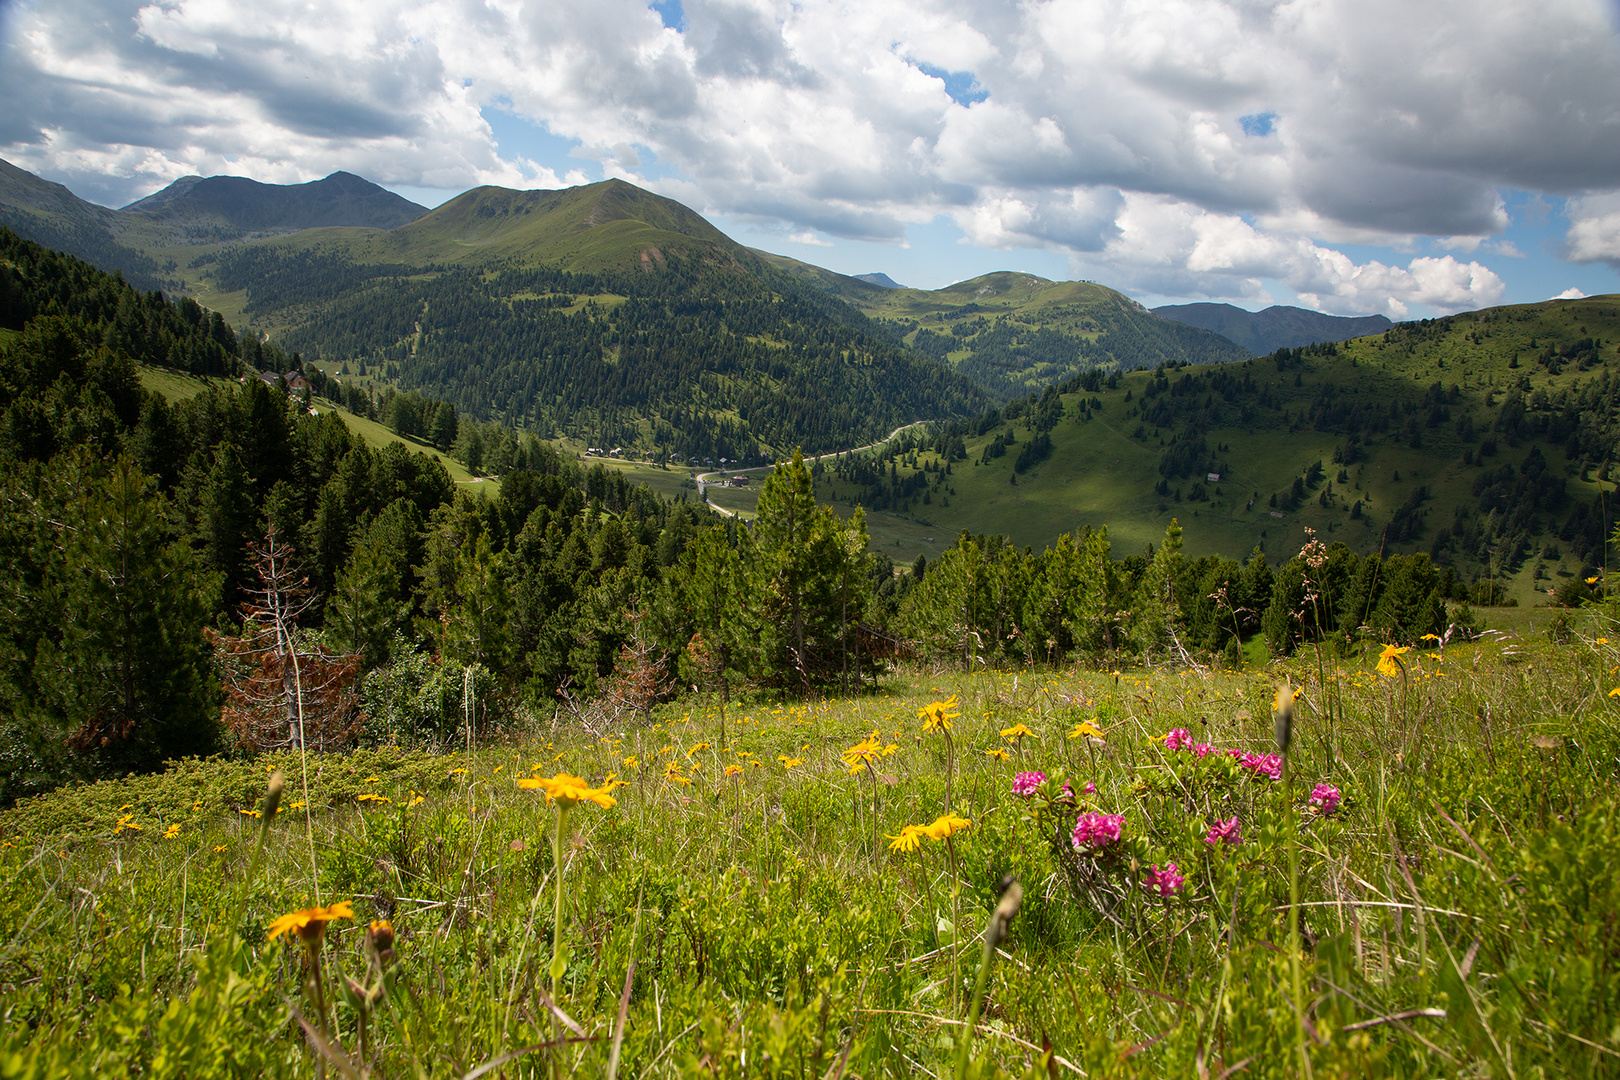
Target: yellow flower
point(299, 805)
point(416, 799)
point(910, 838)
point(126, 822)
point(672, 774)
point(220, 847)
point(1016, 733)
point(1591, 581)
point(733, 770)
point(1389, 661)
point(998, 753)
point(567, 790)
point(172, 831)
point(373, 780)
point(371, 796)
point(789, 762)
point(1615, 692)
point(944, 826)
point(1087, 729)
point(865, 752)
point(310, 923)
point(1430, 637)
point(937, 715)
point(458, 772)
point(630, 762)
point(699, 748)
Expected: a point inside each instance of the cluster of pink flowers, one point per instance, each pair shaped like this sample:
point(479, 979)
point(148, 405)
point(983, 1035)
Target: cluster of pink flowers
point(1095, 830)
point(1025, 783)
point(1260, 764)
point(1167, 881)
point(1181, 739)
point(1325, 797)
point(1068, 791)
point(1225, 832)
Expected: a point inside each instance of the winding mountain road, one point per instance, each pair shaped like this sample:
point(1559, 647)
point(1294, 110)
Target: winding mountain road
point(703, 478)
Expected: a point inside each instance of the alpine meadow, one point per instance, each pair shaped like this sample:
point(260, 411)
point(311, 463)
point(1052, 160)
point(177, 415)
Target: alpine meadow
point(540, 636)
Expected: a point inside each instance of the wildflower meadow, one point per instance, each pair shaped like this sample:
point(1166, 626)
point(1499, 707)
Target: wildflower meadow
point(1380, 864)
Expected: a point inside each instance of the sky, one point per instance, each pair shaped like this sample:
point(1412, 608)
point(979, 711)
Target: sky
point(1351, 156)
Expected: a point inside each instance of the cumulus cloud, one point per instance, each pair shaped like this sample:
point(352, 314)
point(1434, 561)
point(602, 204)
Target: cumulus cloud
point(1172, 248)
point(1571, 293)
point(809, 238)
point(1594, 229)
point(1267, 129)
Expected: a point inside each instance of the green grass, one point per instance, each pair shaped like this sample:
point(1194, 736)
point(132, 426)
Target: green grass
point(1099, 474)
point(376, 435)
point(179, 386)
point(773, 931)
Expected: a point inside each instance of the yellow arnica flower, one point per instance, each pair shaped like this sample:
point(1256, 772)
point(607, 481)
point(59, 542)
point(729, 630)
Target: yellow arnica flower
point(733, 770)
point(937, 715)
point(172, 831)
point(672, 773)
point(944, 826)
point(789, 762)
point(1615, 692)
point(910, 838)
point(568, 790)
point(1389, 661)
point(310, 923)
point(868, 750)
point(1087, 729)
point(371, 796)
point(1016, 733)
point(998, 753)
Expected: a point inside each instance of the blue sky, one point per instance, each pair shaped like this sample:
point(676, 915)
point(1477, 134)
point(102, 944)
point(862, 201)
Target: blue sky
point(1354, 156)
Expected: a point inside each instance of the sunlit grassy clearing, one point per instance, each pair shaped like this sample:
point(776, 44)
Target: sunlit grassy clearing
point(759, 904)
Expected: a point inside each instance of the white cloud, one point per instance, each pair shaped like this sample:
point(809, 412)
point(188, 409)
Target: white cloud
point(1172, 248)
point(817, 118)
point(809, 238)
point(1594, 229)
point(1571, 293)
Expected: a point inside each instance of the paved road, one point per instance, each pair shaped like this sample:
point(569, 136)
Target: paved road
point(703, 478)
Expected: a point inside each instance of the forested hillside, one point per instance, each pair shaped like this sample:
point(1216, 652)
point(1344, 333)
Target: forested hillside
point(1016, 333)
point(167, 532)
point(694, 359)
point(1485, 440)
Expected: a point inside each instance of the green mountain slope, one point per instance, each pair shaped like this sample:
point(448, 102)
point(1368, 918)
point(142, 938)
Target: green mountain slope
point(1277, 327)
point(52, 216)
point(1013, 333)
point(604, 313)
point(224, 207)
point(1484, 439)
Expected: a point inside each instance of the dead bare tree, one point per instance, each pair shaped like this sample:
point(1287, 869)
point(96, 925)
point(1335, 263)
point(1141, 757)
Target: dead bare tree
point(281, 689)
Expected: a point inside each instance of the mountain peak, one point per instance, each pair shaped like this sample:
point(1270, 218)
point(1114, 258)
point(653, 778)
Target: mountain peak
point(240, 204)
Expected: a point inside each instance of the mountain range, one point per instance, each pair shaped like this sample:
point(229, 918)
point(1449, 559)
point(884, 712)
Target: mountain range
point(1274, 328)
point(608, 313)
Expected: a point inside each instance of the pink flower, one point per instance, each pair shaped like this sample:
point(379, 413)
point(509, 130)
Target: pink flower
point(1167, 881)
point(1325, 797)
point(1202, 750)
point(1095, 830)
point(1178, 739)
point(1089, 789)
point(1225, 832)
point(1025, 783)
point(1263, 764)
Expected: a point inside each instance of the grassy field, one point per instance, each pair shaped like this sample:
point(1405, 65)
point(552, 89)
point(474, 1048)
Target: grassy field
point(804, 888)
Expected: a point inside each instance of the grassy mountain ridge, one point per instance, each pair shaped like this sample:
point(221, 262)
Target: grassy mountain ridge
point(216, 207)
point(1013, 332)
point(1484, 439)
point(1276, 327)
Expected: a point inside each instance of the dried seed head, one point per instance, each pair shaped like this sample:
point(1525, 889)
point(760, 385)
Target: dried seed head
point(272, 798)
point(1283, 707)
